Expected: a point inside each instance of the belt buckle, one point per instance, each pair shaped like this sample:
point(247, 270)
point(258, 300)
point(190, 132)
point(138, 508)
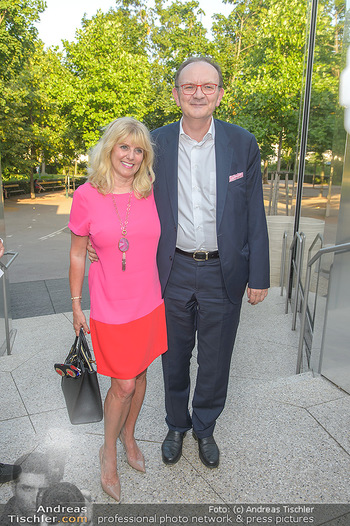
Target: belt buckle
point(194, 255)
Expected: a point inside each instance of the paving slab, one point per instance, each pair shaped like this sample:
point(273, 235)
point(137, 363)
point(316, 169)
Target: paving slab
point(43, 297)
point(282, 438)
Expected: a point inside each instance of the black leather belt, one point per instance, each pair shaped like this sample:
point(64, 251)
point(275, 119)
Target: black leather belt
point(199, 255)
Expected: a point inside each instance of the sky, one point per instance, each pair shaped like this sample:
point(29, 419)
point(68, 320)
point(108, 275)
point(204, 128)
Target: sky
point(62, 17)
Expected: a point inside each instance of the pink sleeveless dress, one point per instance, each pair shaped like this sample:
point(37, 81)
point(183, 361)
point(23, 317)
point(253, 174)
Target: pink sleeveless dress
point(127, 318)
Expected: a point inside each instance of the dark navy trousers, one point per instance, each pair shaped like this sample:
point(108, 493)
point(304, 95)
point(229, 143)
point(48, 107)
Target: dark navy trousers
point(197, 305)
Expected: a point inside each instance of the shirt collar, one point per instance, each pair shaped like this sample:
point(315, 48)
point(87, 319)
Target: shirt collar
point(209, 135)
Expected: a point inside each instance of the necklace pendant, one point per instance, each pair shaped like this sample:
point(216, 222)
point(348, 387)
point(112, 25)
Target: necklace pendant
point(123, 244)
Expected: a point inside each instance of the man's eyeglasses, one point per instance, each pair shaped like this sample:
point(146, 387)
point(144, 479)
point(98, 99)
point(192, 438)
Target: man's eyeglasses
point(190, 89)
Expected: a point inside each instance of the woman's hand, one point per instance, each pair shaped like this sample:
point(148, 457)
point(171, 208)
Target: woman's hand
point(79, 320)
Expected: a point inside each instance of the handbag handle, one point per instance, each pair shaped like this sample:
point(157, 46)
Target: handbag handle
point(82, 348)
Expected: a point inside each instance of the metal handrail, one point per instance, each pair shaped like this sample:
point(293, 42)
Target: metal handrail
point(283, 260)
point(4, 267)
point(298, 267)
point(319, 237)
point(310, 318)
point(336, 249)
point(291, 248)
point(299, 241)
point(271, 192)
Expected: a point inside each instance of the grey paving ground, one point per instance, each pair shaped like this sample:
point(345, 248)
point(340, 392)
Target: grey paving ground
point(283, 437)
point(43, 297)
point(37, 230)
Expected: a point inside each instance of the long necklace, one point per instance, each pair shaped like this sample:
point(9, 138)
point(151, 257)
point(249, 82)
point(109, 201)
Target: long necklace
point(123, 243)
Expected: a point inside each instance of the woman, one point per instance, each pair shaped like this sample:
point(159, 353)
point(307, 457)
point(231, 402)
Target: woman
point(116, 210)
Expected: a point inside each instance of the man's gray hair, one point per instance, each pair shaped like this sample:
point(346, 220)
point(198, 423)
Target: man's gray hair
point(192, 60)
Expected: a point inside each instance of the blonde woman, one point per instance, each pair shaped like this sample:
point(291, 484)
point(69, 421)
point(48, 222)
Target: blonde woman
point(115, 209)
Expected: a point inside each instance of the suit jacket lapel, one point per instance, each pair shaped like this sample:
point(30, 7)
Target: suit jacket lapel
point(171, 167)
point(223, 154)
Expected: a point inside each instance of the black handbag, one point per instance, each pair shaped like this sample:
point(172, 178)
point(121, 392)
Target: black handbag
point(80, 384)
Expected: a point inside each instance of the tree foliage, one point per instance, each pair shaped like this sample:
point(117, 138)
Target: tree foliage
point(264, 87)
point(32, 126)
point(123, 62)
point(17, 44)
point(328, 63)
point(109, 76)
point(17, 34)
point(177, 33)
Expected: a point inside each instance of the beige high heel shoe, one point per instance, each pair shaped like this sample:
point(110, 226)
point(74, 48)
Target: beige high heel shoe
point(136, 463)
point(113, 490)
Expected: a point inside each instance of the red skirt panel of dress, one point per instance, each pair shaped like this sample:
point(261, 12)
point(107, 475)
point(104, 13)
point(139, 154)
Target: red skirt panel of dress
point(125, 350)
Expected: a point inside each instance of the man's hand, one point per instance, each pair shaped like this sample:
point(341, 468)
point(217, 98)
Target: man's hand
point(255, 296)
point(93, 257)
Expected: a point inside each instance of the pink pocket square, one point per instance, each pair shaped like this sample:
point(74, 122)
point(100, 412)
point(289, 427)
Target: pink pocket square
point(235, 177)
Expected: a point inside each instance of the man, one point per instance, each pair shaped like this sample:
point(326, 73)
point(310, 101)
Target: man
point(213, 244)
point(33, 479)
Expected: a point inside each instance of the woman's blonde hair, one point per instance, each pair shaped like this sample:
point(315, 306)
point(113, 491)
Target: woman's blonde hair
point(100, 167)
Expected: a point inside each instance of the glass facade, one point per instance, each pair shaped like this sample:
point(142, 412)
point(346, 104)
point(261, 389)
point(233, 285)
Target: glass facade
point(326, 198)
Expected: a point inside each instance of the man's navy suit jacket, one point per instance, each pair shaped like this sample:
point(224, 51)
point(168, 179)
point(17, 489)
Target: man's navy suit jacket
point(240, 217)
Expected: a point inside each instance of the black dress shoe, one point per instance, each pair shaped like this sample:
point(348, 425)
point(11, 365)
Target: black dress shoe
point(208, 451)
point(9, 472)
point(172, 447)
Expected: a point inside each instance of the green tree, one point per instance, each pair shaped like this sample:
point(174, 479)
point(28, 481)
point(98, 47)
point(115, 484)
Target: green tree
point(177, 33)
point(235, 36)
point(110, 74)
point(325, 113)
point(136, 21)
point(33, 127)
point(264, 43)
point(17, 39)
point(17, 34)
point(54, 84)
